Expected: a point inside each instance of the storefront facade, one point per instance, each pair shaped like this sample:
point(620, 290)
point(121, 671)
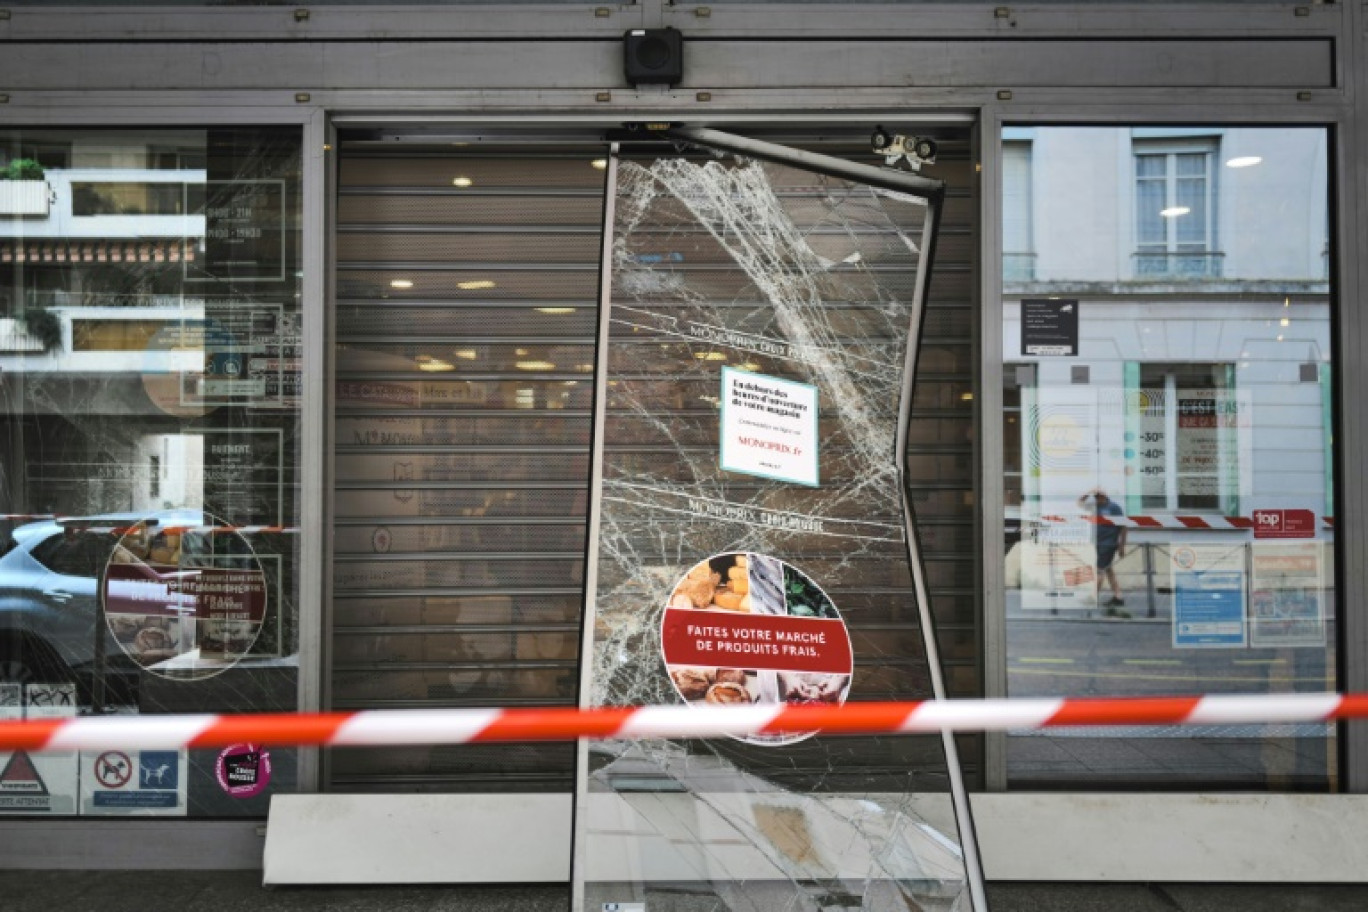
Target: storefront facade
point(310, 301)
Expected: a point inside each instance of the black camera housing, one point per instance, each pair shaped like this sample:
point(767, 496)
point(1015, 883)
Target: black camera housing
point(653, 56)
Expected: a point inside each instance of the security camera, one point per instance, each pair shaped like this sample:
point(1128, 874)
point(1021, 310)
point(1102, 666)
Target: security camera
point(899, 150)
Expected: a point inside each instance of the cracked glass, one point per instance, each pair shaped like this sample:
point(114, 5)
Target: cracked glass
point(751, 545)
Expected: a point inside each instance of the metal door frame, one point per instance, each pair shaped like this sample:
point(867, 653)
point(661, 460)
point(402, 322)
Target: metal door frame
point(933, 191)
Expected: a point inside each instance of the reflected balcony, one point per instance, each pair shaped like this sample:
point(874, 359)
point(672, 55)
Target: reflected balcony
point(1187, 264)
point(1018, 267)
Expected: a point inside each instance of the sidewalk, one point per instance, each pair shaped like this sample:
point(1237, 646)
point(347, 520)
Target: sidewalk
point(241, 891)
point(1101, 897)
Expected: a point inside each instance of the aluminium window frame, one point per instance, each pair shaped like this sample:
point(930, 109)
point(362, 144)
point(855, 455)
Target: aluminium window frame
point(1171, 247)
point(179, 842)
point(1346, 135)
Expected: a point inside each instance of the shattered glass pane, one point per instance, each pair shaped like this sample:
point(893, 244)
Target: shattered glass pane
point(755, 369)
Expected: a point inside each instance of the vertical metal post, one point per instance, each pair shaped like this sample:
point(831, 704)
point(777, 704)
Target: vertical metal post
point(990, 433)
point(1151, 609)
point(959, 795)
point(315, 414)
point(1350, 277)
point(577, 834)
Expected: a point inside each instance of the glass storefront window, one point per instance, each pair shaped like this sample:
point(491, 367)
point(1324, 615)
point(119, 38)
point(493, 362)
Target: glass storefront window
point(149, 363)
point(1168, 444)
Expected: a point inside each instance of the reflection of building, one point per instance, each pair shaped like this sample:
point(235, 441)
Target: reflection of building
point(1221, 232)
point(401, 372)
point(1167, 340)
point(93, 280)
point(116, 283)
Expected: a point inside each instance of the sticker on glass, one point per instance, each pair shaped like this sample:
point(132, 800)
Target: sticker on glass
point(184, 595)
point(243, 770)
point(769, 427)
point(134, 783)
point(744, 628)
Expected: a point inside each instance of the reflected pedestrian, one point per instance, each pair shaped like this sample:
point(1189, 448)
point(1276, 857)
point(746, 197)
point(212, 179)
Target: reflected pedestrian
point(1110, 538)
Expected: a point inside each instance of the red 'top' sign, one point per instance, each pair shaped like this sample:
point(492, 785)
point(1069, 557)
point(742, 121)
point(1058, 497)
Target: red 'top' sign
point(1284, 524)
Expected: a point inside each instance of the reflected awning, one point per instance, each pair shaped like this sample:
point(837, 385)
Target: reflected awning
point(63, 251)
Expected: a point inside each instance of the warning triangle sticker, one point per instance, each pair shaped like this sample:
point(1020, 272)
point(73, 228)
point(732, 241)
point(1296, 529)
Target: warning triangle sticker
point(20, 775)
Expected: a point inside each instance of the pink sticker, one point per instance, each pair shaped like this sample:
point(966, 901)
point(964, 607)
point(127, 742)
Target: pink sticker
point(243, 770)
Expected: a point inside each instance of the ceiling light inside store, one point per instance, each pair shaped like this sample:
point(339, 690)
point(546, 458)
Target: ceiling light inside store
point(710, 356)
point(600, 163)
point(1284, 321)
point(556, 310)
point(1244, 161)
point(466, 354)
point(436, 364)
point(1174, 211)
point(461, 182)
point(401, 283)
point(475, 285)
point(534, 365)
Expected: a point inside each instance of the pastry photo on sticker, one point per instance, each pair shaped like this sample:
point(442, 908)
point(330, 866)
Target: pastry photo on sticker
point(744, 607)
point(721, 583)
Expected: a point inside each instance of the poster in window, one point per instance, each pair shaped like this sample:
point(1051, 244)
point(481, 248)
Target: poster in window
point(1058, 565)
point(245, 233)
point(769, 427)
point(1049, 327)
point(244, 474)
point(1208, 584)
point(1287, 593)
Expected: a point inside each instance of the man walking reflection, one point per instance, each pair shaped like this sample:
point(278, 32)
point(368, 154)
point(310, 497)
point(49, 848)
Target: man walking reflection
point(1110, 539)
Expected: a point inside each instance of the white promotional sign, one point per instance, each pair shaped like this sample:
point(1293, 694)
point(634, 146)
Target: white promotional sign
point(769, 427)
point(1058, 566)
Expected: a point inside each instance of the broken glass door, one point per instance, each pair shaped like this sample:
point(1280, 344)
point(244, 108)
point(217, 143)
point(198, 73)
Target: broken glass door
point(750, 540)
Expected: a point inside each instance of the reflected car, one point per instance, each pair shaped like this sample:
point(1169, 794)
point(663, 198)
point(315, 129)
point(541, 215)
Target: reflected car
point(50, 624)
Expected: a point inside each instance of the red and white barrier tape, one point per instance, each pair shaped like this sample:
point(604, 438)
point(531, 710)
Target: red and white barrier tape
point(89, 524)
point(482, 726)
point(1163, 521)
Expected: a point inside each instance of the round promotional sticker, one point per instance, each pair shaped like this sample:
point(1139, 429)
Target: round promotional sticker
point(749, 628)
point(243, 770)
point(184, 594)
